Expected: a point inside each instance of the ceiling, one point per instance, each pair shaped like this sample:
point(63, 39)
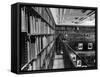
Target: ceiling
point(73, 16)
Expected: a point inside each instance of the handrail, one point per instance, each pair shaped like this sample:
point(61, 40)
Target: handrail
point(34, 59)
point(49, 53)
point(72, 65)
point(74, 52)
point(77, 54)
point(28, 63)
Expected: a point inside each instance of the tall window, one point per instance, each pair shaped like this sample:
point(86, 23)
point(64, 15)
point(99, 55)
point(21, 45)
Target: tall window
point(90, 45)
point(80, 46)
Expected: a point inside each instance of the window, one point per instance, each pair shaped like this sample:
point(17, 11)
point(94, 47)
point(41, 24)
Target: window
point(73, 56)
point(79, 63)
point(80, 46)
point(90, 45)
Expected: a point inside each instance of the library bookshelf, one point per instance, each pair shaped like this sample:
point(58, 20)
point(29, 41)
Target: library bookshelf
point(39, 26)
point(36, 29)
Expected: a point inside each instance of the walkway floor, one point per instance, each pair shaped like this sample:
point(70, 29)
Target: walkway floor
point(58, 62)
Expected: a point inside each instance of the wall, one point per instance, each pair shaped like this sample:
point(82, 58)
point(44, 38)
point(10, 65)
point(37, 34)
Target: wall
point(5, 39)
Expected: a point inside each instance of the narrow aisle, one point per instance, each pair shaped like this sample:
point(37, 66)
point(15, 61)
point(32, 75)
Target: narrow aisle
point(58, 62)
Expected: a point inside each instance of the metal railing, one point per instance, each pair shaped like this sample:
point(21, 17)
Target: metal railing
point(72, 56)
point(48, 55)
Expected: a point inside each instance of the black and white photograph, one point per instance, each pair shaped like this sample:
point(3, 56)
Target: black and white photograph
point(57, 38)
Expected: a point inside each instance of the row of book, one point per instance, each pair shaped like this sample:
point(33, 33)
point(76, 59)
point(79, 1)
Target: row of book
point(37, 26)
point(38, 45)
point(44, 13)
point(37, 51)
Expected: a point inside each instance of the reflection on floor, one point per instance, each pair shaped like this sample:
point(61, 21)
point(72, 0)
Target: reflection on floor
point(58, 62)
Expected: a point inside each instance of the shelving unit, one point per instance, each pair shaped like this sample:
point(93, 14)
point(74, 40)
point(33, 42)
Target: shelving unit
point(39, 27)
